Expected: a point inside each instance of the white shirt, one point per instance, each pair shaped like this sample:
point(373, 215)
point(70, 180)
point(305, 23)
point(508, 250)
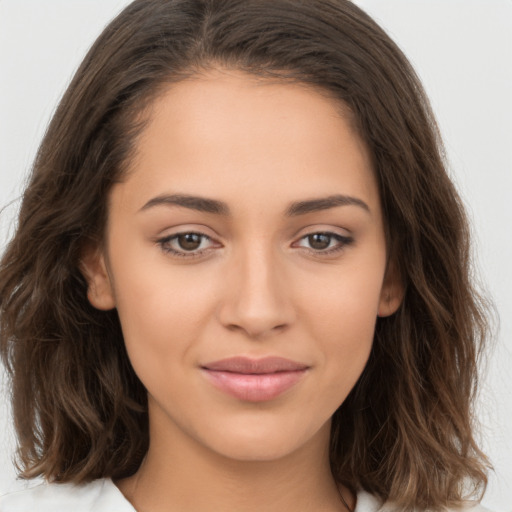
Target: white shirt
point(103, 496)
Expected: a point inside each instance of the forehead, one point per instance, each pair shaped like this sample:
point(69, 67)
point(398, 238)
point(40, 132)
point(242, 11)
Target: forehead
point(224, 132)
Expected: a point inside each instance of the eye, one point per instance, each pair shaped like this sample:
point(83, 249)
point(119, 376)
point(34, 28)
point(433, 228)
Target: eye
point(324, 242)
point(187, 244)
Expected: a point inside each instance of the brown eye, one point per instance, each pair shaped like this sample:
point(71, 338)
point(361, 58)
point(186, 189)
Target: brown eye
point(189, 241)
point(324, 243)
point(319, 241)
point(187, 244)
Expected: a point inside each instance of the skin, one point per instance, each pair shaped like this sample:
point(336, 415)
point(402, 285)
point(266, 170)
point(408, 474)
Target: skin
point(257, 285)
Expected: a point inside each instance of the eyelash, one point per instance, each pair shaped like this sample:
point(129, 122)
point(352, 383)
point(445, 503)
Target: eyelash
point(164, 243)
point(342, 243)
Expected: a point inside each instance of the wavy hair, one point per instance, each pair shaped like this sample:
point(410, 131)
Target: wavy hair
point(405, 432)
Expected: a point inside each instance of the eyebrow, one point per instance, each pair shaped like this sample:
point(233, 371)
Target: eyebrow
point(216, 207)
point(315, 205)
point(201, 204)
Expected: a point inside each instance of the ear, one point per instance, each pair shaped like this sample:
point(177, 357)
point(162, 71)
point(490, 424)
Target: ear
point(99, 286)
point(392, 292)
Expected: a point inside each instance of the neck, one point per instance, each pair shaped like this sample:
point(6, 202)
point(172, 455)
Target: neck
point(180, 474)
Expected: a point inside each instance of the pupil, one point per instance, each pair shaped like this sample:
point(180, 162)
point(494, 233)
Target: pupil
point(189, 241)
point(319, 241)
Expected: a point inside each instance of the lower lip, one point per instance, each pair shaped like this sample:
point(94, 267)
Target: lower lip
point(254, 387)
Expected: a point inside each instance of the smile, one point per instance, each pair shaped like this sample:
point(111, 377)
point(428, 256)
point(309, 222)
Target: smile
point(254, 380)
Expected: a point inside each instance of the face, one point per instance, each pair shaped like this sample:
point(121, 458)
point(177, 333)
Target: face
point(245, 254)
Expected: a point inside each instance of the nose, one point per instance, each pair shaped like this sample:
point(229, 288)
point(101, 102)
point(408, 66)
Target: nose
point(256, 298)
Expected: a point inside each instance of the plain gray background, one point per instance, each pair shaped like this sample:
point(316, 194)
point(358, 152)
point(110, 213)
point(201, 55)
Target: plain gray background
point(462, 49)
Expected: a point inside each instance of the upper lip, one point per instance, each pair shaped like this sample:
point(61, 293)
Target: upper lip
point(249, 365)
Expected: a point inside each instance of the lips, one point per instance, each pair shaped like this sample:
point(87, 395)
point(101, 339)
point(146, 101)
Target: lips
point(254, 380)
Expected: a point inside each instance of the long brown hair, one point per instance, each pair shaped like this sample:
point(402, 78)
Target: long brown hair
point(405, 431)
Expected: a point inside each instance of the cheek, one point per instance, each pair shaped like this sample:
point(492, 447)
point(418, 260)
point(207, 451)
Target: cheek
point(345, 328)
point(341, 315)
point(162, 312)
point(345, 300)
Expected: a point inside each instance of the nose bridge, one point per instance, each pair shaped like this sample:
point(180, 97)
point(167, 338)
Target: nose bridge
point(256, 299)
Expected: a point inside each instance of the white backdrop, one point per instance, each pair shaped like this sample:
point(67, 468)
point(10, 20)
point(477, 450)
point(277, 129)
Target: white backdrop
point(462, 50)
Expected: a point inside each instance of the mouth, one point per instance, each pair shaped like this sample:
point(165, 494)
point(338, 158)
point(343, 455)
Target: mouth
point(254, 380)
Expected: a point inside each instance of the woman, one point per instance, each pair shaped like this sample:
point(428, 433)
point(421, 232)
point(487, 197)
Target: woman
point(240, 276)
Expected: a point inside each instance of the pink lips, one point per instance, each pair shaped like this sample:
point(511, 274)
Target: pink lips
point(254, 380)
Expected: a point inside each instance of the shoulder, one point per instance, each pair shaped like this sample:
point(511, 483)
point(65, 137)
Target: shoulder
point(98, 496)
point(368, 503)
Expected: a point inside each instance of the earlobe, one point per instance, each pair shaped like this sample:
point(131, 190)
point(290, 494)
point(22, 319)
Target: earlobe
point(99, 287)
point(392, 292)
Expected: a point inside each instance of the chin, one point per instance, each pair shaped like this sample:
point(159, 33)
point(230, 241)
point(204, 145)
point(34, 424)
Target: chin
point(257, 451)
point(265, 443)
